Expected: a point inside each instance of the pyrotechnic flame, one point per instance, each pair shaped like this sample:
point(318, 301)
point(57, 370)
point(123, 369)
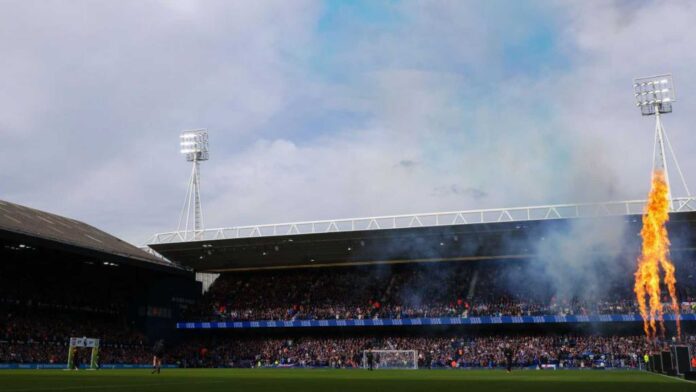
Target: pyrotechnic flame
point(655, 256)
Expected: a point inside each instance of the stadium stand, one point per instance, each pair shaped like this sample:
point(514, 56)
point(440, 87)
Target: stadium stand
point(61, 278)
point(409, 290)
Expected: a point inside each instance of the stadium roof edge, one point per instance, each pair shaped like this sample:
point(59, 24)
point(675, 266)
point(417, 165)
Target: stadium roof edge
point(388, 222)
point(18, 221)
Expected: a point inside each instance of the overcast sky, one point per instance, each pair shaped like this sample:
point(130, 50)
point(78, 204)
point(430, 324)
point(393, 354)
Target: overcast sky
point(333, 109)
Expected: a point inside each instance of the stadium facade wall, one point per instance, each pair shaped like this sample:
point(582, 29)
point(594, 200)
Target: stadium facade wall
point(162, 302)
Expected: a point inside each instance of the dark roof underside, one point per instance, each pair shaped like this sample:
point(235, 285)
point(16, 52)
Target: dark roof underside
point(504, 240)
point(19, 221)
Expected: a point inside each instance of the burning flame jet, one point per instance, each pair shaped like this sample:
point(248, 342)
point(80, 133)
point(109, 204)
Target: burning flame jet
point(654, 257)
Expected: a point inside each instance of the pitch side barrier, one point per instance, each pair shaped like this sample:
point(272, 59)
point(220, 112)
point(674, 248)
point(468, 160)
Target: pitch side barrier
point(416, 321)
point(34, 366)
point(596, 365)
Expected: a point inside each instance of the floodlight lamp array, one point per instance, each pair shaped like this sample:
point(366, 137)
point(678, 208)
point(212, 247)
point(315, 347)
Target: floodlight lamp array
point(654, 94)
point(194, 145)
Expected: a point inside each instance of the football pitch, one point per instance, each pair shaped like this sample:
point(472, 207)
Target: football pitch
point(309, 380)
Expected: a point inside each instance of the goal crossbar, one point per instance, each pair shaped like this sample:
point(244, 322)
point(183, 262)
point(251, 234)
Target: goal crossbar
point(391, 359)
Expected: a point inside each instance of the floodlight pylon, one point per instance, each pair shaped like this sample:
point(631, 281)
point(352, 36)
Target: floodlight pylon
point(655, 96)
point(194, 146)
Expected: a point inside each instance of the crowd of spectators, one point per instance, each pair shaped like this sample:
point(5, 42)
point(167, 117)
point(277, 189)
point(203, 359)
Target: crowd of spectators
point(39, 315)
point(57, 353)
point(433, 352)
point(37, 318)
point(39, 335)
point(56, 327)
point(347, 352)
point(402, 292)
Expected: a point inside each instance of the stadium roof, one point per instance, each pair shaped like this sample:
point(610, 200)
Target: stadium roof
point(466, 235)
point(20, 222)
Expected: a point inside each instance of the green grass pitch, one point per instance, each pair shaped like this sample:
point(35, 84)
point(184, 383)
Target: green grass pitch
point(310, 380)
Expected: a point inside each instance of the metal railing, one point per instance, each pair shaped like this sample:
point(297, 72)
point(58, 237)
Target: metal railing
point(517, 214)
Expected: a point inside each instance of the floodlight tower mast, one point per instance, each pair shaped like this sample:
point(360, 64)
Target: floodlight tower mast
point(194, 146)
point(654, 96)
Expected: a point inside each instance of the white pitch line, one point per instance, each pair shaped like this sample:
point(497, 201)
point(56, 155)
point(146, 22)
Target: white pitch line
point(672, 377)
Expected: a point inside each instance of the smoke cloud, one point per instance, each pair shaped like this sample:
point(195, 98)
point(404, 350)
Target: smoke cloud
point(586, 259)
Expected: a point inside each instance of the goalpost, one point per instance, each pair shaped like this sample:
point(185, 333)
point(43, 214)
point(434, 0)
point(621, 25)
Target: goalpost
point(76, 343)
point(391, 359)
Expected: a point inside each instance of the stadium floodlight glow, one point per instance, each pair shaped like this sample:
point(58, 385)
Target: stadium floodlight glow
point(654, 96)
point(194, 146)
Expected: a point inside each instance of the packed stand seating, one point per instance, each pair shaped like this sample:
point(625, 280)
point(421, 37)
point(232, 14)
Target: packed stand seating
point(415, 290)
point(296, 294)
point(434, 352)
point(39, 315)
point(57, 353)
point(27, 337)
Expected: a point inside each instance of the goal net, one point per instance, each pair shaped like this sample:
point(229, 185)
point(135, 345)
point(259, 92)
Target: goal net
point(391, 359)
point(83, 343)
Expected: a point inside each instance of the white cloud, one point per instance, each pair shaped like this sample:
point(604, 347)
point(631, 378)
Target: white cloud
point(96, 94)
